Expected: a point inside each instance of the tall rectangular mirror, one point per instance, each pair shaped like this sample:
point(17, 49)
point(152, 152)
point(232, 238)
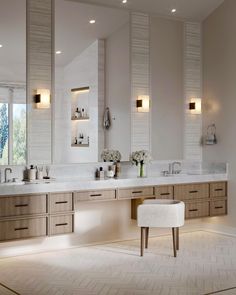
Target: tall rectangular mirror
point(92, 73)
point(12, 82)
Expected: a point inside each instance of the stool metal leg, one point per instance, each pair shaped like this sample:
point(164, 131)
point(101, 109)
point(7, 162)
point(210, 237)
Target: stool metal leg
point(146, 238)
point(174, 241)
point(177, 238)
point(142, 240)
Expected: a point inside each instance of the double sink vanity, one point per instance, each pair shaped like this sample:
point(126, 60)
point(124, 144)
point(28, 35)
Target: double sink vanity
point(34, 210)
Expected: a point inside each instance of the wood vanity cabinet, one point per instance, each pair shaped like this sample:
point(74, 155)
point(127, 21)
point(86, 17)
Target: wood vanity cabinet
point(164, 192)
point(61, 213)
point(95, 195)
point(136, 192)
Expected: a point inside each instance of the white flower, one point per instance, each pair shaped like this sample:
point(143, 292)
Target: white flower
point(142, 157)
point(110, 155)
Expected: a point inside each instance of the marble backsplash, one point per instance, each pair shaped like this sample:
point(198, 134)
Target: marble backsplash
point(155, 168)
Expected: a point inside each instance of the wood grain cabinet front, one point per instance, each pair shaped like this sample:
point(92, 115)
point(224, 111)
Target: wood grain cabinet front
point(61, 224)
point(98, 195)
point(191, 191)
point(133, 193)
point(196, 209)
point(218, 189)
point(23, 228)
point(61, 202)
point(218, 207)
point(23, 205)
point(164, 192)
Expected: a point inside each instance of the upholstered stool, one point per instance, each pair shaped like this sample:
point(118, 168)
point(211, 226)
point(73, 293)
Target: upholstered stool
point(160, 213)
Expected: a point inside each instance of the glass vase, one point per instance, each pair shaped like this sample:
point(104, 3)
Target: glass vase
point(141, 170)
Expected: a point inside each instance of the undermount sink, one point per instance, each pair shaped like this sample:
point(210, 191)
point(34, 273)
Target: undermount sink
point(11, 183)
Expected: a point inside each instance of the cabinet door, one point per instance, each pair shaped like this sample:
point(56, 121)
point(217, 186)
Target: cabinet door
point(218, 189)
point(61, 224)
point(132, 193)
point(61, 202)
point(23, 205)
point(23, 228)
point(218, 207)
point(191, 191)
point(198, 209)
point(164, 192)
point(98, 195)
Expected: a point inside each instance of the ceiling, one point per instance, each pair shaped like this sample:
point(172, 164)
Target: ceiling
point(195, 10)
point(74, 33)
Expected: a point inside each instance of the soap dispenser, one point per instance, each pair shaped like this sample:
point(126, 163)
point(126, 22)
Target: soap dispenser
point(32, 173)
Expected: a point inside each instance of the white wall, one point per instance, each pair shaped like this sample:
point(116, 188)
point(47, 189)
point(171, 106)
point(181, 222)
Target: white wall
point(118, 90)
point(166, 50)
point(219, 48)
point(82, 71)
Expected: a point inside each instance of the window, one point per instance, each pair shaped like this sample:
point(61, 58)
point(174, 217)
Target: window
point(12, 125)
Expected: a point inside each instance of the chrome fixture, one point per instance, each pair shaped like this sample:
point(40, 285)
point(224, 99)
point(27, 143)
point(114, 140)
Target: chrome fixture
point(172, 170)
point(5, 171)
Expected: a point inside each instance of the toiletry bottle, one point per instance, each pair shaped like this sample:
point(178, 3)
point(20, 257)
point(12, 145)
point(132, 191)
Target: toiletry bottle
point(82, 113)
point(32, 173)
point(101, 173)
point(76, 141)
point(110, 172)
point(118, 169)
point(97, 174)
point(76, 113)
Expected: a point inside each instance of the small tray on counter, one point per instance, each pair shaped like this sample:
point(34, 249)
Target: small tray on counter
point(39, 181)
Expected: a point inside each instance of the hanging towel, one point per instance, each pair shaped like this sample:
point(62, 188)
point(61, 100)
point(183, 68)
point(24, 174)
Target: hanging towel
point(107, 119)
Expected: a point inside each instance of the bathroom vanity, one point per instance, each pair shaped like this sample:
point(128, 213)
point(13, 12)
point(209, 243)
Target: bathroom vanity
point(28, 211)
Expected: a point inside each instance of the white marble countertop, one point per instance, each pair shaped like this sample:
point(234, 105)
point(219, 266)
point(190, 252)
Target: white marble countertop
point(80, 184)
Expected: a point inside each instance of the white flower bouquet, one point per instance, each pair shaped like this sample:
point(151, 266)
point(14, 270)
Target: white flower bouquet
point(139, 158)
point(111, 156)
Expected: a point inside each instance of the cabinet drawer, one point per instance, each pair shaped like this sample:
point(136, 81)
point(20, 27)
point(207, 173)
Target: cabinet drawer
point(164, 192)
point(61, 224)
point(218, 189)
point(61, 202)
point(24, 228)
point(218, 208)
point(23, 205)
point(132, 193)
point(191, 191)
point(95, 195)
point(195, 210)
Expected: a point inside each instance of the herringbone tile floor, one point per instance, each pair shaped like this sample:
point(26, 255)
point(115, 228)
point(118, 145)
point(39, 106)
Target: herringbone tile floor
point(206, 263)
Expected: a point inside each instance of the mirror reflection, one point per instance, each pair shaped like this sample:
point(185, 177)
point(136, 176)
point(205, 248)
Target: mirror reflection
point(92, 101)
point(12, 82)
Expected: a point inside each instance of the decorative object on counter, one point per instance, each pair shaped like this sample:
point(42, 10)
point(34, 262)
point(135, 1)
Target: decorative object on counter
point(32, 173)
point(99, 174)
point(107, 119)
point(111, 155)
point(47, 173)
point(140, 158)
point(110, 172)
point(211, 135)
point(39, 173)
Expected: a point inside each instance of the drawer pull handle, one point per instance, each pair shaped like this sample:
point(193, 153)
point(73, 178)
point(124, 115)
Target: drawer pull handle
point(193, 210)
point(61, 202)
point(165, 194)
point(21, 228)
point(96, 195)
point(218, 189)
point(193, 192)
point(137, 192)
point(21, 205)
point(61, 224)
point(219, 207)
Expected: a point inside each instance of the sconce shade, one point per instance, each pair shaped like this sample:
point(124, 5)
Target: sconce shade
point(195, 106)
point(143, 104)
point(42, 99)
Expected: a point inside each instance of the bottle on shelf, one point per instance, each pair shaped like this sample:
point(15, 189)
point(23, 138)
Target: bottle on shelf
point(77, 113)
point(82, 113)
point(76, 140)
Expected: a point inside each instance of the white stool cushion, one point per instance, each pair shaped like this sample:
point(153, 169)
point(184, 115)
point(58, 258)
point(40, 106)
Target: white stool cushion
point(161, 213)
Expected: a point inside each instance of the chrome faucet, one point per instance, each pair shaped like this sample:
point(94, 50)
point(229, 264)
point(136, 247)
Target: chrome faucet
point(173, 170)
point(7, 169)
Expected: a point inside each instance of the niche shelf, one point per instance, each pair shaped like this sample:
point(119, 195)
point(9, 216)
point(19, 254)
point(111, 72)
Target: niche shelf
point(80, 145)
point(80, 119)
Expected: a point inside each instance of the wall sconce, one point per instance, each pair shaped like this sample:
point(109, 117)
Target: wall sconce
point(42, 99)
point(143, 103)
point(195, 106)
point(81, 89)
